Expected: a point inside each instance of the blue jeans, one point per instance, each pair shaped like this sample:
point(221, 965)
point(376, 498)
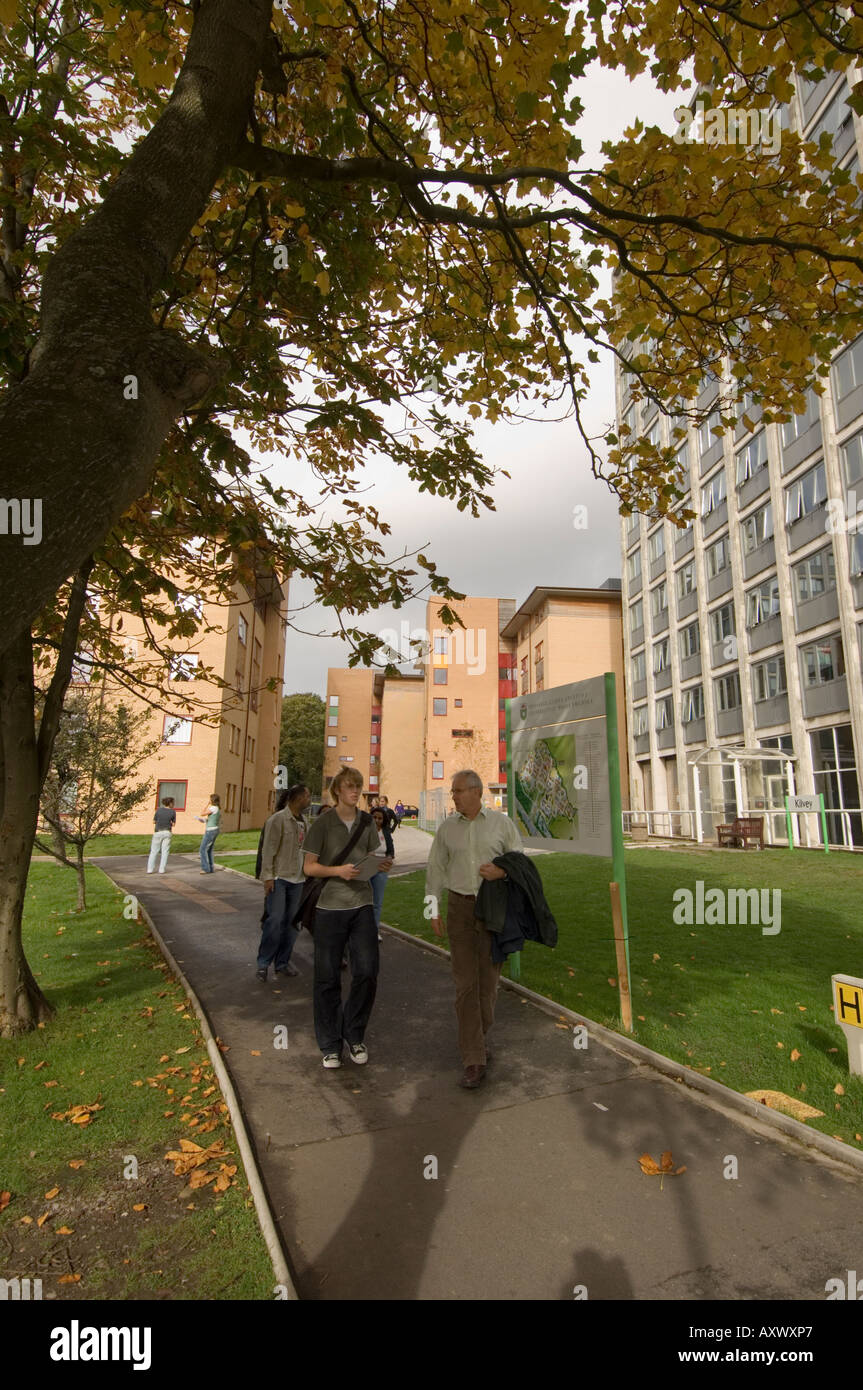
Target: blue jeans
point(354, 929)
point(207, 850)
point(379, 886)
point(278, 937)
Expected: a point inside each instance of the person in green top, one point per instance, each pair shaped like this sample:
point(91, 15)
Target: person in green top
point(213, 820)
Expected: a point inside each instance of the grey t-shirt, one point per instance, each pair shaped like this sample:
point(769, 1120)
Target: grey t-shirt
point(165, 818)
point(327, 838)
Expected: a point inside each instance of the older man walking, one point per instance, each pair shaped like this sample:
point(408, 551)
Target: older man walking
point(460, 858)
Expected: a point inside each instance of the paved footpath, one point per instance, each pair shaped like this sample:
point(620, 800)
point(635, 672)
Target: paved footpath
point(538, 1187)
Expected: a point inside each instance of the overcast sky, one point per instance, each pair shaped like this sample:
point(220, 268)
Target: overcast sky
point(530, 538)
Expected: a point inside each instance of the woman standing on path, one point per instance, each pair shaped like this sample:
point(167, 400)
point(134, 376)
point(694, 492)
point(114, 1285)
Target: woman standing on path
point(213, 818)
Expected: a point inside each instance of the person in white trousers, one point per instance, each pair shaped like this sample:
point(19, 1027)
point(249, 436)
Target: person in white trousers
point(160, 846)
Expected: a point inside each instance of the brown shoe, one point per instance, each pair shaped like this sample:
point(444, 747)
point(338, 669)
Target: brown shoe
point(472, 1077)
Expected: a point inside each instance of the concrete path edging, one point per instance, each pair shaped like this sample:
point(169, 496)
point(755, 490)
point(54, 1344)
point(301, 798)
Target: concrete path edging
point(721, 1096)
point(269, 1229)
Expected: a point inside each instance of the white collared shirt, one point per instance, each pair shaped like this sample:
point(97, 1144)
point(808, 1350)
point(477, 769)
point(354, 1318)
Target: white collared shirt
point(461, 845)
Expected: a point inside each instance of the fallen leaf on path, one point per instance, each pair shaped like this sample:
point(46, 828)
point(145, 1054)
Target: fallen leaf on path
point(69, 1278)
point(26, 1221)
point(140, 1206)
point(43, 1219)
point(64, 1231)
point(254, 1053)
point(665, 1168)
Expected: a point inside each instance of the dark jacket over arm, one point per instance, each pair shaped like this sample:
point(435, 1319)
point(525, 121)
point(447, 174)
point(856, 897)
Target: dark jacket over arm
point(514, 909)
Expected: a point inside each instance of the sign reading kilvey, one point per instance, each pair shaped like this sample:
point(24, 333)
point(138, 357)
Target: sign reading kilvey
point(848, 1012)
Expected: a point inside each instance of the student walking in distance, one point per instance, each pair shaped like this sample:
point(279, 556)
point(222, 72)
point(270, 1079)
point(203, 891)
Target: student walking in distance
point(281, 872)
point(344, 917)
point(163, 821)
point(212, 819)
point(379, 880)
point(460, 858)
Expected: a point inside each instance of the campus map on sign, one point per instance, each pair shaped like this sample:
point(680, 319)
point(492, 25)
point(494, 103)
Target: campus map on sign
point(558, 768)
point(544, 774)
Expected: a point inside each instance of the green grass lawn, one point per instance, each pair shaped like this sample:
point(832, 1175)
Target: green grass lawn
point(181, 844)
point(123, 1038)
point(726, 1000)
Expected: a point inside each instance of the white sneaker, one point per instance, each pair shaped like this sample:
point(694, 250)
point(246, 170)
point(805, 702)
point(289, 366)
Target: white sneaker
point(332, 1060)
point(359, 1053)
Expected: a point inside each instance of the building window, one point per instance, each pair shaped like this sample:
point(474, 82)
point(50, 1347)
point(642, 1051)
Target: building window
point(762, 602)
point(728, 691)
point(333, 720)
point(798, 426)
point(633, 565)
point(175, 789)
point(835, 120)
point(686, 579)
point(852, 458)
point(713, 493)
point(458, 703)
point(659, 599)
point(815, 575)
point(636, 616)
point(757, 529)
point(722, 622)
point(661, 656)
point(690, 641)
point(639, 671)
point(751, 459)
point(692, 705)
point(718, 557)
point(462, 733)
point(639, 721)
point(334, 700)
point(439, 706)
point(664, 714)
point(656, 545)
point(805, 494)
point(706, 437)
point(848, 370)
point(856, 564)
point(182, 666)
point(242, 628)
point(769, 679)
point(332, 741)
point(176, 730)
point(537, 652)
point(823, 661)
point(440, 675)
point(441, 646)
point(437, 771)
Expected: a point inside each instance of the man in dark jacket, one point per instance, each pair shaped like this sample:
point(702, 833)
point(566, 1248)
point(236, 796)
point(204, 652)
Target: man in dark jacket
point(514, 908)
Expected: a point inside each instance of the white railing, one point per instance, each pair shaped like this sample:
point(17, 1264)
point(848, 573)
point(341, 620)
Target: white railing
point(669, 825)
point(433, 808)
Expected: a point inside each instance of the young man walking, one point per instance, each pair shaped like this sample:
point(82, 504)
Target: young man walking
point(344, 918)
point(460, 858)
point(164, 821)
point(281, 873)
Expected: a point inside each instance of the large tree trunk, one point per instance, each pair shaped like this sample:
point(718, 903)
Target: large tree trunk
point(69, 433)
point(22, 1003)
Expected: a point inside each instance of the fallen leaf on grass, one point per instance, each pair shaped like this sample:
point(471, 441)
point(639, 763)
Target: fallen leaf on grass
point(26, 1221)
point(776, 1011)
point(795, 1055)
point(789, 1105)
point(612, 981)
point(140, 1206)
point(254, 1053)
point(838, 1090)
point(178, 1050)
point(43, 1219)
point(51, 1194)
point(69, 1278)
point(64, 1231)
point(165, 1057)
point(40, 1065)
point(77, 1162)
point(5, 1199)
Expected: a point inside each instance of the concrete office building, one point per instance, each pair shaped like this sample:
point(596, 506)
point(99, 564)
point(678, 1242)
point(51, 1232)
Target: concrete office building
point(742, 633)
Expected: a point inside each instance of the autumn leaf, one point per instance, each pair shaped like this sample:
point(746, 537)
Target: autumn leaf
point(838, 1090)
point(77, 1162)
point(665, 1168)
point(255, 1054)
point(64, 1231)
point(140, 1206)
point(69, 1278)
point(5, 1199)
point(43, 1219)
point(178, 1050)
point(795, 1055)
point(51, 1194)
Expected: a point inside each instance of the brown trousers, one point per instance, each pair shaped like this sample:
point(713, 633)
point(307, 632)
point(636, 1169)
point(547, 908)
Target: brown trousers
point(476, 977)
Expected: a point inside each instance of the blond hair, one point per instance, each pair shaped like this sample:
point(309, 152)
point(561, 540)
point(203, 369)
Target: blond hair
point(347, 774)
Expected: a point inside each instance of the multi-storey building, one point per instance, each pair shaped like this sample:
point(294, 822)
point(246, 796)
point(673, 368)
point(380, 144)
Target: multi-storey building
point(742, 633)
point(565, 635)
point(374, 724)
point(244, 643)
